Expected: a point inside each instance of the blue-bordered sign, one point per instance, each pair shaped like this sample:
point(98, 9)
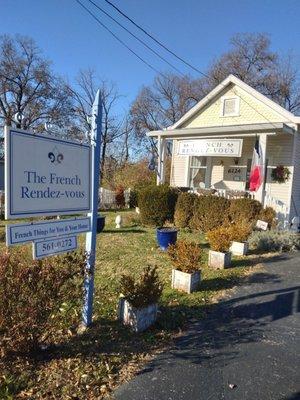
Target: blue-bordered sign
point(36, 231)
point(50, 247)
point(45, 175)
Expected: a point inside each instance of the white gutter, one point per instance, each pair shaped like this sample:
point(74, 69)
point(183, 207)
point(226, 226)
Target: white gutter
point(246, 130)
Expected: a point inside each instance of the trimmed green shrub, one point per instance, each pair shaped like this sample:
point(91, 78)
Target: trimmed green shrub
point(157, 204)
point(240, 231)
point(185, 256)
point(184, 209)
point(134, 193)
point(220, 238)
point(274, 240)
point(209, 212)
point(268, 215)
point(144, 291)
point(244, 209)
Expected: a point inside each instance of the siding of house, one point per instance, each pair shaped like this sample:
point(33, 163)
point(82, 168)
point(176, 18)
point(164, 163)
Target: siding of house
point(178, 176)
point(279, 148)
point(251, 111)
point(221, 179)
point(280, 152)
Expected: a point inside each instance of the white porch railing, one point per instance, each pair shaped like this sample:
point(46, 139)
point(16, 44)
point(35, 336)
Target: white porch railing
point(107, 198)
point(281, 209)
point(227, 193)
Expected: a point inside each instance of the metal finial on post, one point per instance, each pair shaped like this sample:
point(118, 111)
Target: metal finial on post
point(96, 126)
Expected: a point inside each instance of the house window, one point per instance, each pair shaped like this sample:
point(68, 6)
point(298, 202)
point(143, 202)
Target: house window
point(230, 106)
point(197, 172)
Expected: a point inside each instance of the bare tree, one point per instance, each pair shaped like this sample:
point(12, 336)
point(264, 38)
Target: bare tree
point(28, 86)
point(84, 94)
point(163, 103)
point(250, 59)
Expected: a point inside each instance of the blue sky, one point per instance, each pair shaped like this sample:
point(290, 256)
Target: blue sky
point(197, 30)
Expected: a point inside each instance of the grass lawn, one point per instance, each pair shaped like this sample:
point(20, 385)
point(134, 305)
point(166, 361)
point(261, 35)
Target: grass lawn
point(89, 365)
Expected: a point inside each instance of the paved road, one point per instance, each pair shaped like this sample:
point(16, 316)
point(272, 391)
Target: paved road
point(250, 340)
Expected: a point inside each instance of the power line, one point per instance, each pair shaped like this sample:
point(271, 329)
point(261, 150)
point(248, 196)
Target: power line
point(157, 41)
point(117, 38)
point(167, 49)
point(154, 39)
point(136, 37)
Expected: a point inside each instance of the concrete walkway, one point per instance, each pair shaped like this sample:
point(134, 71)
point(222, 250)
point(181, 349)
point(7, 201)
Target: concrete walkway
point(246, 349)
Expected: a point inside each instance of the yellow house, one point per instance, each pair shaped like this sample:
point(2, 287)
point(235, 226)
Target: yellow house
point(213, 146)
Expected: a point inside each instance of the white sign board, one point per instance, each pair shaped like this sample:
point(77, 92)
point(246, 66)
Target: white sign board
point(50, 247)
point(30, 232)
point(45, 175)
point(261, 225)
point(211, 147)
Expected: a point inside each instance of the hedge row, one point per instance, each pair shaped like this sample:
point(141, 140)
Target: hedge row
point(205, 213)
point(159, 204)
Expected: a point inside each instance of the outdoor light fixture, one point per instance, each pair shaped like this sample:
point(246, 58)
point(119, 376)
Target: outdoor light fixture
point(236, 161)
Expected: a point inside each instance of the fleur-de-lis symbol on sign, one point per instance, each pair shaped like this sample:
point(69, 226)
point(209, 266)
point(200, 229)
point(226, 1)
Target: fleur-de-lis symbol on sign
point(55, 156)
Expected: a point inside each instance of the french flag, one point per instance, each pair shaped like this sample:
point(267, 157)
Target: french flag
point(257, 168)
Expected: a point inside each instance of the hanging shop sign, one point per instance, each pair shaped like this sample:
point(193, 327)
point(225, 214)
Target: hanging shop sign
point(36, 231)
point(50, 247)
point(211, 147)
point(45, 175)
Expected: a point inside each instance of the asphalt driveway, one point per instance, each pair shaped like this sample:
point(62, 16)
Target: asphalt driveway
point(248, 347)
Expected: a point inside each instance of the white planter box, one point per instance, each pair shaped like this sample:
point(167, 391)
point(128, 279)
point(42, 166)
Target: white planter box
point(218, 260)
point(239, 248)
point(184, 281)
point(139, 319)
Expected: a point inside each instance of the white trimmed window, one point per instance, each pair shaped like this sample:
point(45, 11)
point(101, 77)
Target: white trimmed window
point(230, 106)
point(197, 172)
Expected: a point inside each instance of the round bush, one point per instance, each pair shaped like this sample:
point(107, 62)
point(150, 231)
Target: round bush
point(268, 215)
point(184, 209)
point(157, 204)
point(220, 238)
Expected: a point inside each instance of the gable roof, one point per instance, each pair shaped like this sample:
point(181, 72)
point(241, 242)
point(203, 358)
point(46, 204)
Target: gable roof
point(231, 79)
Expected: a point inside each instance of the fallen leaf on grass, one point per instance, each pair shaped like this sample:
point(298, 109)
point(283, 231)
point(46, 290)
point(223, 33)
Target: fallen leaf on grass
point(232, 385)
